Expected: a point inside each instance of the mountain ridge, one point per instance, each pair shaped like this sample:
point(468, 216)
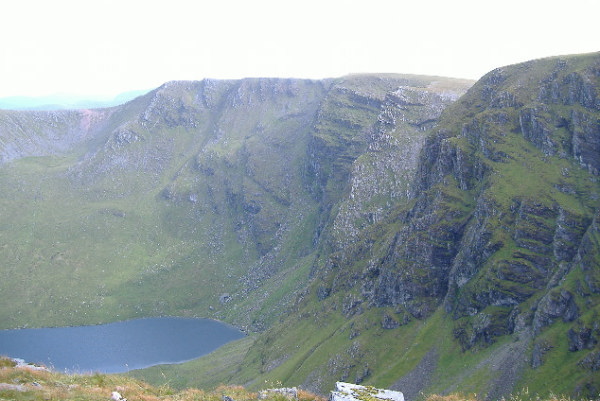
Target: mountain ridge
point(504, 208)
point(335, 217)
point(182, 156)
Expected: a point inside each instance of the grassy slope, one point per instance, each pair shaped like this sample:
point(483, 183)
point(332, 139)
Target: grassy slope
point(315, 356)
point(25, 384)
point(208, 373)
point(105, 250)
point(78, 252)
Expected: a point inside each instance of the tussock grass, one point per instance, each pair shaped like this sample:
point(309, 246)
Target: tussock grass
point(522, 395)
point(23, 383)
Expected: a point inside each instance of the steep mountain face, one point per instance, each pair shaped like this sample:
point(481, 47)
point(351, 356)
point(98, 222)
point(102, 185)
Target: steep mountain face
point(487, 260)
point(499, 212)
point(199, 198)
point(46, 133)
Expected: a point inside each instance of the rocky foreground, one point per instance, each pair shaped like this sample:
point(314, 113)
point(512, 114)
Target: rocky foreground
point(22, 381)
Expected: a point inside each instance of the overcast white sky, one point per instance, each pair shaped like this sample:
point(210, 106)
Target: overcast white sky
point(111, 46)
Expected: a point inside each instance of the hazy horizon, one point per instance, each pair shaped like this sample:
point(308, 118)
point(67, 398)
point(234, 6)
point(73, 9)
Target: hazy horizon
point(103, 49)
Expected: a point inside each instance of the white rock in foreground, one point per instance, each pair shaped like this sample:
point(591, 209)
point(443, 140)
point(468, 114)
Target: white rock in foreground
point(290, 393)
point(116, 396)
point(21, 364)
point(355, 392)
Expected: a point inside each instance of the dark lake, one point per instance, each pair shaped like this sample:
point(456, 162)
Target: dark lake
point(117, 347)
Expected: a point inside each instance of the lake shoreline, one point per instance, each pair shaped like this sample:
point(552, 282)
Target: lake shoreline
point(118, 347)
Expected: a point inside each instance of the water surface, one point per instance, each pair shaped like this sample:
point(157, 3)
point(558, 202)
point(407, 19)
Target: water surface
point(118, 347)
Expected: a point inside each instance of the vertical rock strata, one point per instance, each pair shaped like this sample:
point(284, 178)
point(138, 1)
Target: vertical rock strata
point(499, 224)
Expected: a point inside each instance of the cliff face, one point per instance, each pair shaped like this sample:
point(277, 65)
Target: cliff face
point(495, 228)
point(531, 190)
point(501, 207)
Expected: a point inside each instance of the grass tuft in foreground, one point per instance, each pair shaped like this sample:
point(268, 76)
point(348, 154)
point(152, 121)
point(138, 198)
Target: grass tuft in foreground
point(520, 396)
point(27, 383)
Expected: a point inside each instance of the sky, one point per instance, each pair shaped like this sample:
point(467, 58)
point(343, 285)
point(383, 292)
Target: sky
point(107, 47)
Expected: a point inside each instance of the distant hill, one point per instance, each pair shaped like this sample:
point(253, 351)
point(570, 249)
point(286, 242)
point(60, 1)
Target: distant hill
point(66, 101)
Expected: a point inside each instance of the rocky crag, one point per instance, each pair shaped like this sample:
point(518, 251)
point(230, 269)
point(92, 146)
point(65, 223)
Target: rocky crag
point(483, 274)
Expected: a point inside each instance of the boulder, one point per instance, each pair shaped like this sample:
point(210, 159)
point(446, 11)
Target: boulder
point(116, 396)
point(290, 393)
point(355, 392)
point(21, 364)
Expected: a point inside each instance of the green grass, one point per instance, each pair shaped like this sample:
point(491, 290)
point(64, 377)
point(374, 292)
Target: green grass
point(207, 372)
point(51, 385)
point(91, 237)
point(23, 384)
point(558, 362)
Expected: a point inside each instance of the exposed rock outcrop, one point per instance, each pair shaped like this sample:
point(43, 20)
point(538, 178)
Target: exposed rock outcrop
point(499, 223)
point(355, 392)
